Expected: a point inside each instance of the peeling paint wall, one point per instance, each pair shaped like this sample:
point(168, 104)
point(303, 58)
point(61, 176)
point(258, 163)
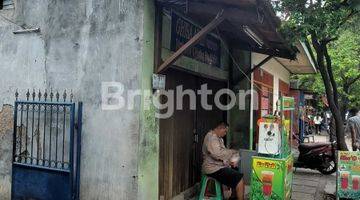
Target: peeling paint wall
point(6, 127)
point(81, 44)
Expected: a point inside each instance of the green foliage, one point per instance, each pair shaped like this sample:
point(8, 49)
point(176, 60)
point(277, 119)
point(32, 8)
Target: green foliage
point(303, 17)
point(311, 82)
point(321, 22)
point(345, 55)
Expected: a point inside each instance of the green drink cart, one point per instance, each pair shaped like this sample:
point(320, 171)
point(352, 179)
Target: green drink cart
point(348, 175)
point(272, 169)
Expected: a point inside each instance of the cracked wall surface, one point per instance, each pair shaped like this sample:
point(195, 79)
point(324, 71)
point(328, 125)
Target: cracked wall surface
point(81, 44)
point(6, 130)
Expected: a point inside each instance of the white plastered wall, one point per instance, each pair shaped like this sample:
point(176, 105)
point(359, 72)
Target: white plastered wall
point(274, 68)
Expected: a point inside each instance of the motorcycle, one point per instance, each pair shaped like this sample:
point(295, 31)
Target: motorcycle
point(318, 156)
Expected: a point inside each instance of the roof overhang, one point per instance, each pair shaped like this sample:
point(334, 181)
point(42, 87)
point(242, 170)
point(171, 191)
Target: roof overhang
point(303, 64)
point(256, 15)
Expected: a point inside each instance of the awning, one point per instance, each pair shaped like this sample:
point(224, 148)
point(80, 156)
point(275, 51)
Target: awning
point(249, 25)
point(303, 64)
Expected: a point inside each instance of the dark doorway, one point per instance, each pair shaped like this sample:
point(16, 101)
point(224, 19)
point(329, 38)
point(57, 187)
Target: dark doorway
point(182, 134)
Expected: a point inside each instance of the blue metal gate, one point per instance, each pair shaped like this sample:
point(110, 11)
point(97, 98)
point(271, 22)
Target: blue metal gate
point(46, 147)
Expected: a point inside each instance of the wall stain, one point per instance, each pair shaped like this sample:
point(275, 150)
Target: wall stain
point(6, 129)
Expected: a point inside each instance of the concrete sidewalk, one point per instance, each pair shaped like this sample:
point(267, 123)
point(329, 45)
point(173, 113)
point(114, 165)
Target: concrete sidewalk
point(312, 185)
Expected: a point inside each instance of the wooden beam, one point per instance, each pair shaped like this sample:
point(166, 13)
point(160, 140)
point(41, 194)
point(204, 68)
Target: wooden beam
point(248, 72)
point(260, 64)
point(193, 41)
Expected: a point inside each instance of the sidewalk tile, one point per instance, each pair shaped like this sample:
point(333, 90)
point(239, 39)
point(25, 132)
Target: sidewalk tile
point(304, 189)
point(302, 196)
point(305, 182)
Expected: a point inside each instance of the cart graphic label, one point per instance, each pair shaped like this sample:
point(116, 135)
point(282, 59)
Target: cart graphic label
point(348, 175)
point(271, 178)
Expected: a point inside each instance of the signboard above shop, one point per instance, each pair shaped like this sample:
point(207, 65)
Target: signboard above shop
point(288, 103)
point(206, 51)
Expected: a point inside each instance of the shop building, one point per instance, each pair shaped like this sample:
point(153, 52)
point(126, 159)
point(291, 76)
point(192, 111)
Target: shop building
point(272, 80)
point(246, 60)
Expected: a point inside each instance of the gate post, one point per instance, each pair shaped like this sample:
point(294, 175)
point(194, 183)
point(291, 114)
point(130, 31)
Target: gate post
point(78, 150)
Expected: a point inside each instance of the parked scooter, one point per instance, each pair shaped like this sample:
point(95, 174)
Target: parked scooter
point(318, 156)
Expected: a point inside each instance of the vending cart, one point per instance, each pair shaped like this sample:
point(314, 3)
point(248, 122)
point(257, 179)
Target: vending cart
point(272, 168)
point(348, 175)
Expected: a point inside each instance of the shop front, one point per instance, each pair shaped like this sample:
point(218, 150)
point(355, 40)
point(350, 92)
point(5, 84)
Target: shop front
point(181, 135)
point(272, 81)
point(208, 45)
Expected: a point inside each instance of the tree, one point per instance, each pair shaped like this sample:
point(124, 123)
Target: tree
point(344, 53)
point(346, 61)
point(318, 22)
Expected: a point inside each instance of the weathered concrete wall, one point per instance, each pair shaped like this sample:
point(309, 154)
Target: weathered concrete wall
point(81, 44)
point(6, 127)
point(149, 127)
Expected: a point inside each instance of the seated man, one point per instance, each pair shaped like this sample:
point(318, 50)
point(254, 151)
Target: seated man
point(217, 160)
